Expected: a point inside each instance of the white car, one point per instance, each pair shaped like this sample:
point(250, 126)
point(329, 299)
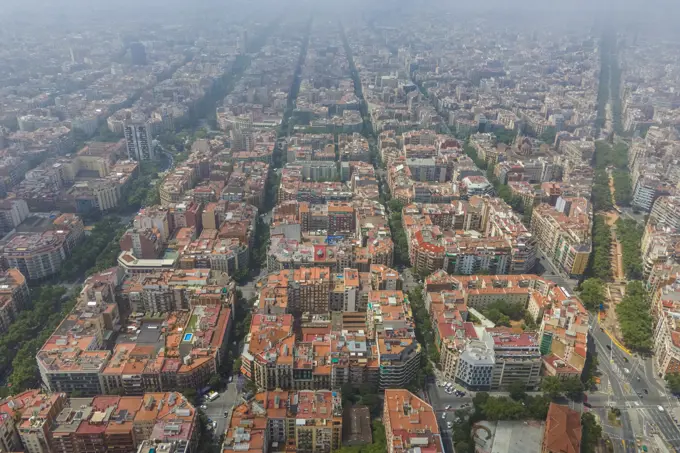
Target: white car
point(443, 416)
point(448, 407)
point(660, 408)
point(204, 407)
point(449, 425)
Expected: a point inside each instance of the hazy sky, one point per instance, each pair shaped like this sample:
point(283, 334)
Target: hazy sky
point(660, 12)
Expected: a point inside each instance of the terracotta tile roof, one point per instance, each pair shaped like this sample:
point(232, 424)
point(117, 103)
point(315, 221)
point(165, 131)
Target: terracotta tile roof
point(562, 430)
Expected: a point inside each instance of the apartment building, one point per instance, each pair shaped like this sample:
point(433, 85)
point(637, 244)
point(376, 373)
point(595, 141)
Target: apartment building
point(40, 254)
point(647, 189)
point(38, 419)
point(379, 346)
point(170, 290)
point(480, 358)
point(192, 351)
point(138, 139)
point(12, 213)
point(498, 219)
point(178, 182)
point(55, 423)
point(390, 321)
point(308, 288)
point(155, 351)
point(660, 245)
point(666, 212)
point(563, 335)
point(14, 295)
point(143, 243)
point(410, 423)
point(473, 254)
point(304, 421)
point(665, 304)
point(524, 191)
point(563, 233)
point(10, 410)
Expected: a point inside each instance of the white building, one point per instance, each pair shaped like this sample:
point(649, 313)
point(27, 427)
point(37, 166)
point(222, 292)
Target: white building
point(138, 139)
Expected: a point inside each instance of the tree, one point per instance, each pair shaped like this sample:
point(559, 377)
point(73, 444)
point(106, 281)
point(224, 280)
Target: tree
point(236, 367)
point(673, 381)
point(591, 433)
point(501, 312)
point(537, 406)
point(505, 136)
point(463, 447)
point(517, 391)
point(190, 394)
point(600, 261)
point(503, 408)
point(592, 293)
point(573, 387)
point(215, 382)
point(241, 275)
point(548, 135)
point(629, 235)
point(479, 400)
point(635, 319)
point(552, 386)
point(395, 205)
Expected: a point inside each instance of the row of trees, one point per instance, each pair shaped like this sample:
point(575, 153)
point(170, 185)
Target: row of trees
point(143, 190)
point(601, 195)
point(20, 343)
point(623, 189)
point(471, 152)
point(629, 234)
point(425, 337)
point(635, 319)
point(401, 256)
point(600, 260)
point(85, 255)
point(519, 406)
point(610, 156)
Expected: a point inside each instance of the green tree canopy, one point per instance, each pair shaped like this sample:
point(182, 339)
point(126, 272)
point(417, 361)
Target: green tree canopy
point(592, 293)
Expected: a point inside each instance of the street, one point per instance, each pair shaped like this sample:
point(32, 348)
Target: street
point(215, 410)
point(634, 389)
point(546, 269)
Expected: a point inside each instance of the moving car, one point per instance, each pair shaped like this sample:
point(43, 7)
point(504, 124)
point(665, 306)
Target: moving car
point(660, 408)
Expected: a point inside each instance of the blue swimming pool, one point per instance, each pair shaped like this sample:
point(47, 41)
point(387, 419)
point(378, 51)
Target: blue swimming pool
point(188, 336)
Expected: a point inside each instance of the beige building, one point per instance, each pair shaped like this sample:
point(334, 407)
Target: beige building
point(563, 233)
